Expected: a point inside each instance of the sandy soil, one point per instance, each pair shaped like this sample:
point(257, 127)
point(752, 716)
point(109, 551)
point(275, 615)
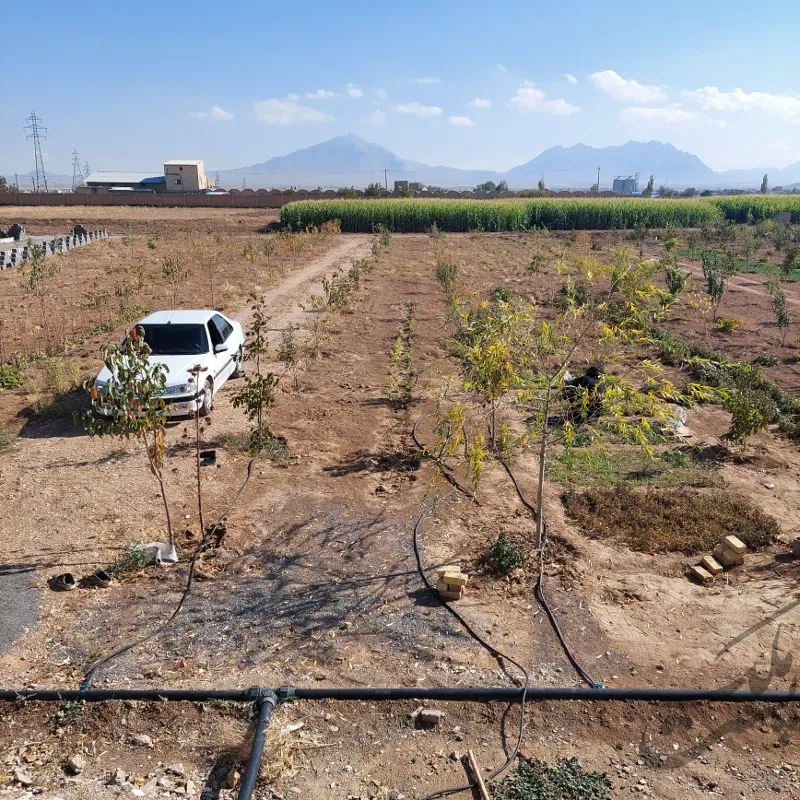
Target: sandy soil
point(318, 586)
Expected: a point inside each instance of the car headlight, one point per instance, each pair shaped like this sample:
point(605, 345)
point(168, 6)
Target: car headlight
point(184, 388)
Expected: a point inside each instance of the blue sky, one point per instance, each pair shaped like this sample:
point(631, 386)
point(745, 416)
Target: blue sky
point(467, 84)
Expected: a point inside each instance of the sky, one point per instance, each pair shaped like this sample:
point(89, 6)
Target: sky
point(460, 83)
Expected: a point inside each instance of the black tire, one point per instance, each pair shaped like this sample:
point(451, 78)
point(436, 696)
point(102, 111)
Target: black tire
point(238, 365)
point(207, 401)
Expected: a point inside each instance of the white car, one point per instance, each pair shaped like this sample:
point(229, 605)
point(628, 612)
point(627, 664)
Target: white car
point(182, 340)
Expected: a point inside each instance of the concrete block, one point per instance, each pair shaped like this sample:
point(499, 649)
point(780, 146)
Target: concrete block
point(455, 578)
point(450, 568)
point(446, 593)
point(700, 574)
point(727, 557)
point(735, 544)
point(710, 564)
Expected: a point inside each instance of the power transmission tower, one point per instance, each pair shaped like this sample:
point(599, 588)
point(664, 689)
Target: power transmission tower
point(35, 131)
point(86, 171)
point(77, 174)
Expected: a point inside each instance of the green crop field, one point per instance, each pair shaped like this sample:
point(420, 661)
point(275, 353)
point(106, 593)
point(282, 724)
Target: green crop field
point(418, 215)
point(754, 208)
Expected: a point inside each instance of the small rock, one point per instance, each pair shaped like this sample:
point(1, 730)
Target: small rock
point(455, 756)
point(769, 485)
point(118, 777)
point(191, 788)
point(233, 779)
point(427, 716)
point(22, 778)
point(142, 740)
point(176, 769)
point(76, 764)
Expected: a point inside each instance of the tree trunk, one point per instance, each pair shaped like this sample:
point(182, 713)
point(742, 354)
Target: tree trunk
point(542, 466)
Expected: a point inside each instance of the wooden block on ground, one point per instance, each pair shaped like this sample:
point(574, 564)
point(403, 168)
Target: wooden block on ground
point(455, 578)
point(727, 557)
point(735, 544)
point(446, 593)
point(710, 564)
point(450, 568)
point(701, 575)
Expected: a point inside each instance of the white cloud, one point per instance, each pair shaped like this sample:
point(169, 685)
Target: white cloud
point(783, 106)
point(479, 102)
point(427, 80)
point(287, 112)
point(460, 122)
point(419, 110)
point(570, 77)
point(381, 94)
point(528, 98)
point(627, 89)
point(217, 114)
point(377, 117)
point(354, 91)
point(320, 94)
point(500, 68)
point(293, 97)
point(671, 115)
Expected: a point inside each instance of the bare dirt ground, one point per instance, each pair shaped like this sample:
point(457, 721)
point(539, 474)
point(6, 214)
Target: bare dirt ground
point(318, 586)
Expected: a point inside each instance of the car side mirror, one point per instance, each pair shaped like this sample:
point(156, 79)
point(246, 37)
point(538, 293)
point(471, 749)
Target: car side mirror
point(220, 348)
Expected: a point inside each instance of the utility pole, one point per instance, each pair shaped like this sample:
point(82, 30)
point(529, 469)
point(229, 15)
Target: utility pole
point(244, 183)
point(77, 174)
point(16, 181)
point(598, 180)
point(35, 131)
point(386, 179)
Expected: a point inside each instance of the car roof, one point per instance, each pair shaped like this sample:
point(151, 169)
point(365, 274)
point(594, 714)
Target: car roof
point(179, 317)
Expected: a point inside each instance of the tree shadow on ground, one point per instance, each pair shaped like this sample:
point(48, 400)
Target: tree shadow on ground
point(54, 419)
point(367, 461)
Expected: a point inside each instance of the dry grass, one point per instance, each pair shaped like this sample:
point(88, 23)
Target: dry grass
point(666, 520)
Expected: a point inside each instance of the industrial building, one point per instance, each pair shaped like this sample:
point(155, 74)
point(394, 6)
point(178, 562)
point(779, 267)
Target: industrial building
point(627, 184)
point(179, 176)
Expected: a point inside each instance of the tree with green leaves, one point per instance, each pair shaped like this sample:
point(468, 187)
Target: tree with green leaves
point(716, 273)
point(780, 309)
point(258, 392)
point(692, 244)
point(373, 190)
point(540, 186)
point(511, 357)
point(129, 405)
point(765, 184)
point(38, 276)
point(174, 274)
point(648, 190)
point(487, 186)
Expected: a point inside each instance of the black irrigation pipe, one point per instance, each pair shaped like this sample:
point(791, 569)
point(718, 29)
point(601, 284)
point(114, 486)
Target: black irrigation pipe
point(463, 694)
point(266, 705)
point(538, 588)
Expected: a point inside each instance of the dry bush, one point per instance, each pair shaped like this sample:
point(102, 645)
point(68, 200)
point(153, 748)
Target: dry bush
point(663, 520)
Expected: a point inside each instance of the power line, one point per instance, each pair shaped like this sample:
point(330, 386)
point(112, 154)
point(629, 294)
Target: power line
point(77, 174)
point(37, 133)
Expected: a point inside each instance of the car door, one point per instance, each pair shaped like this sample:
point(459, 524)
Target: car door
point(222, 345)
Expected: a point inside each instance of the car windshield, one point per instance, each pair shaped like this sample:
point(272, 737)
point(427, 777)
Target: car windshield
point(176, 340)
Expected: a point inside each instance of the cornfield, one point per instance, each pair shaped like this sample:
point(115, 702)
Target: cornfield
point(755, 208)
point(418, 215)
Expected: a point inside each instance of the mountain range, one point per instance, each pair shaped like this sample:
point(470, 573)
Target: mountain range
point(349, 160)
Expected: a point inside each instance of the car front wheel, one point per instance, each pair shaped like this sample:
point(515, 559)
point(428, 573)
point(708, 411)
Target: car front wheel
point(206, 399)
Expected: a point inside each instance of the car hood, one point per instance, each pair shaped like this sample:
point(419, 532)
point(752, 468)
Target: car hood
point(177, 368)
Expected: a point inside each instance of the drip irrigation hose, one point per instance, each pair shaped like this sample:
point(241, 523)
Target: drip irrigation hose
point(461, 694)
point(201, 548)
point(266, 705)
point(519, 694)
point(538, 588)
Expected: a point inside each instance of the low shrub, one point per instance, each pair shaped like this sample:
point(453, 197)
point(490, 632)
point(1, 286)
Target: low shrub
point(11, 376)
point(504, 555)
point(728, 324)
point(533, 779)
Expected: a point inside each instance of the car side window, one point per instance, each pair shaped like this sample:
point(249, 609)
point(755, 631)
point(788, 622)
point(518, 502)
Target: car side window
point(216, 336)
point(222, 325)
